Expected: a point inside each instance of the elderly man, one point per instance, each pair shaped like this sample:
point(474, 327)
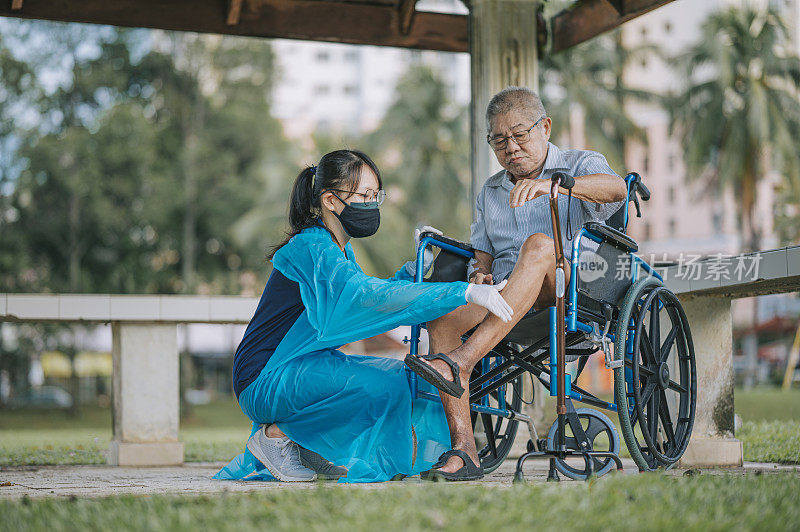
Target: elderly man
point(512, 237)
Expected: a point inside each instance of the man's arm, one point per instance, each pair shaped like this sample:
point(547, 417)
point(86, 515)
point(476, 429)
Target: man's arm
point(598, 188)
point(482, 265)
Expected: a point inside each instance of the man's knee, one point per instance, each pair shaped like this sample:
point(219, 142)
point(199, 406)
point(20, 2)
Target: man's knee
point(537, 246)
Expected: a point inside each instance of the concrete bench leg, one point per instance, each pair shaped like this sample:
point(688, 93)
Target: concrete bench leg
point(145, 393)
point(713, 442)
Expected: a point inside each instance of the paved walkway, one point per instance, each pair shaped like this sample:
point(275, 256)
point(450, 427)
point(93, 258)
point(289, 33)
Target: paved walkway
point(102, 481)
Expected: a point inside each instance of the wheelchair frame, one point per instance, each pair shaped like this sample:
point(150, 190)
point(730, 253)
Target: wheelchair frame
point(510, 365)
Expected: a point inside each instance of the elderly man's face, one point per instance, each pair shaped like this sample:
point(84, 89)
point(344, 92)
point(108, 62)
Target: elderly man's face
point(526, 159)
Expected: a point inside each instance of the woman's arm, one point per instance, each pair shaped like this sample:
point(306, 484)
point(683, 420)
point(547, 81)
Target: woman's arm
point(344, 304)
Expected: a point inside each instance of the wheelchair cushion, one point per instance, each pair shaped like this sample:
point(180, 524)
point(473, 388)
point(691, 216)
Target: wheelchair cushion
point(530, 329)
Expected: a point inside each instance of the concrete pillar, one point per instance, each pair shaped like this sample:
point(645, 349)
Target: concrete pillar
point(145, 393)
point(503, 51)
point(712, 442)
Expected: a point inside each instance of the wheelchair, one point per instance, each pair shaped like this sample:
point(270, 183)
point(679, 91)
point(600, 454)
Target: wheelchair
point(653, 359)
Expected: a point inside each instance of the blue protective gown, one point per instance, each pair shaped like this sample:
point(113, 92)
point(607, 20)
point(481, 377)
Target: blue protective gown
point(356, 411)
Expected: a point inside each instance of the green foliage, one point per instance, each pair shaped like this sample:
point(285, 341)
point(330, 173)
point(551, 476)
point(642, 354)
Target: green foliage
point(587, 79)
point(141, 168)
point(422, 149)
point(740, 116)
point(630, 502)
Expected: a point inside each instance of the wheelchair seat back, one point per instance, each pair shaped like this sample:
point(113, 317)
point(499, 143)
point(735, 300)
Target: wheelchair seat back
point(603, 277)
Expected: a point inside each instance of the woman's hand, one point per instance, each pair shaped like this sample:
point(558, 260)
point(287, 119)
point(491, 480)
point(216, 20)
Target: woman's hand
point(528, 189)
point(488, 296)
point(428, 259)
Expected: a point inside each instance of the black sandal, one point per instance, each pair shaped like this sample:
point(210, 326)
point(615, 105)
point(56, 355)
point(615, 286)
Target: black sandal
point(451, 387)
point(469, 471)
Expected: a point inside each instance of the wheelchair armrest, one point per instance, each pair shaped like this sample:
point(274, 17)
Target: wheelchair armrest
point(466, 246)
point(612, 236)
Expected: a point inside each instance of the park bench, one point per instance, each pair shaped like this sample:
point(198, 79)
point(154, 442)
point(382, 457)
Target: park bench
point(145, 349)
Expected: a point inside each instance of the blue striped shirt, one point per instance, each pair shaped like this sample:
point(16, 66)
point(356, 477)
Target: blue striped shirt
point(500, 230)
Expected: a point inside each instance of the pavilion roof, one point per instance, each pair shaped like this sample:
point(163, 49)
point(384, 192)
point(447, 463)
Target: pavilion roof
point(376, 22)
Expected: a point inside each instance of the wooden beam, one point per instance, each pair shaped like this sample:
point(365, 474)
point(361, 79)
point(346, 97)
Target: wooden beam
point(234, 11)
point(16, 4)
point(588, 18)
point(405, 11)
point(333, 21)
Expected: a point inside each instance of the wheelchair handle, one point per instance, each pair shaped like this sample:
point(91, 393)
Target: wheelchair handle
point(637, 187)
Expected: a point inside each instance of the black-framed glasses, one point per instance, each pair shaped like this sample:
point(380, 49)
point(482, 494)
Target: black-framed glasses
point(370, 196)
point(521, 137)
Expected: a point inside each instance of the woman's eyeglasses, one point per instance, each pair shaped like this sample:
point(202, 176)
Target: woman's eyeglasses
point(370, 196)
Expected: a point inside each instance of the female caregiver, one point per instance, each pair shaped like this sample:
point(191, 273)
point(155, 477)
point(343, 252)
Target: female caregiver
point(291, 380)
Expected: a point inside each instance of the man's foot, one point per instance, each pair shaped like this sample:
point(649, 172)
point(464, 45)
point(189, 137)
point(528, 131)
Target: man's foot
point(439, 370)
point(454, 465)
point(281, 456)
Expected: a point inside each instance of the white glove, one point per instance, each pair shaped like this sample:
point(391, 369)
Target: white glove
point(428, 259)
point(488, 296)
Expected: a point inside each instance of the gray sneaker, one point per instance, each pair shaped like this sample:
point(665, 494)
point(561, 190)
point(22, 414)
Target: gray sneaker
point(280, 456)
point(325, 470)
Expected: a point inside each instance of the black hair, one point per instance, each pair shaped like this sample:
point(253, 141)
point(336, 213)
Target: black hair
point(341, 170)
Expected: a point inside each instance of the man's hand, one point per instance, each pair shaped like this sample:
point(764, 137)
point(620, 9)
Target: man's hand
point(481, 278)
point(528, 189)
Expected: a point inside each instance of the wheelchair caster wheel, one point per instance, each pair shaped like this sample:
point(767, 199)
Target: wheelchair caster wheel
point(530, 446)
point(519, 478)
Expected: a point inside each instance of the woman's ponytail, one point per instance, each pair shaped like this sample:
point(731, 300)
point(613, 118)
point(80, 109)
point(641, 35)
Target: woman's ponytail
point(302, 211)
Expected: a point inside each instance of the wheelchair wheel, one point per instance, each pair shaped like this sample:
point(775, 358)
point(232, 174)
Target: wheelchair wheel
point(494, 435)
point(656, 389)
point(602, 436)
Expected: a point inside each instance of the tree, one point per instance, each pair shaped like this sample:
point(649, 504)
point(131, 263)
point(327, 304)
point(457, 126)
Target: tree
point(422, 149)
point(585, 84)
point(739, 116)
point(140, 168)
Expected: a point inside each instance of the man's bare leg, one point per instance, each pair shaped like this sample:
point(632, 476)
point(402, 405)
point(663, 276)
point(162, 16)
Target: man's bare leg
point(531, 284)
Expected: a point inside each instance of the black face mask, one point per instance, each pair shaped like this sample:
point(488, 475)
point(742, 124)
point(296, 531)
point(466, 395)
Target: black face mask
point(360, 220)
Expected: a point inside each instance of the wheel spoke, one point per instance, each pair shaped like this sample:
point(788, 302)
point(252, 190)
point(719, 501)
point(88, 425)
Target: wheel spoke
point(666, 347)
point(646, 347)
point(644, 370)
point(655, 327)
point(666, 422)
point(647, 393)
point(652, 416)
point(677, 387)
point(594, 428)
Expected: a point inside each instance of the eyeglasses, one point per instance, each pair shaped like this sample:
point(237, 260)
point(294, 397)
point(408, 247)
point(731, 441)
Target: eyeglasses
point(521, 137)
point(370, 196)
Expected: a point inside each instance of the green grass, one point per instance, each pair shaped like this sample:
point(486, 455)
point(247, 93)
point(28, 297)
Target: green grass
point(85, 446)
point(631, 502)
point(771, 441)
point(767, 404)
point(217, 432)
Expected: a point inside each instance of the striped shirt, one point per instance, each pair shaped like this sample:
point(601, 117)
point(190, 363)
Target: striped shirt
point(500, 230)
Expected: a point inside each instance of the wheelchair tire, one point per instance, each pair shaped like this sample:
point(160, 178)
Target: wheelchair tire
point(494, 435)
point(655, 389)
point(597, 424)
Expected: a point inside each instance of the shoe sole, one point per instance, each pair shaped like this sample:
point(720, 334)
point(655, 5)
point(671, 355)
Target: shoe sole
point(274, 470)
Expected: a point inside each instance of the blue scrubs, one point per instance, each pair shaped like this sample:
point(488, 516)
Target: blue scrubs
point(356, 411)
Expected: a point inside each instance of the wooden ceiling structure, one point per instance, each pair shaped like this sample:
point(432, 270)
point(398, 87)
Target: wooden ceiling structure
point(376, 22)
